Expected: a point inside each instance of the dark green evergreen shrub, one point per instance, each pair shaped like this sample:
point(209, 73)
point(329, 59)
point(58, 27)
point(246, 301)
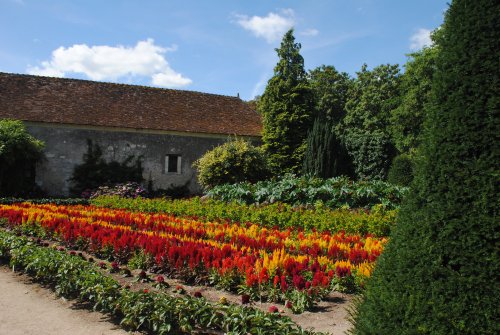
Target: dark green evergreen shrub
point(401, 171)
point(95, 171)
point(234, 161)
point(325, 156)
point(19, 153)
point(439, 273)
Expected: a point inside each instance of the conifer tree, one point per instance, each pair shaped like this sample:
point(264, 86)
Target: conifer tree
point(439, 271)
point(286, 108)
point(326, 155)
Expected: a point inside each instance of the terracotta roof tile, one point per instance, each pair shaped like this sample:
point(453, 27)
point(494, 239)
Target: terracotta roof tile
point(83, 102)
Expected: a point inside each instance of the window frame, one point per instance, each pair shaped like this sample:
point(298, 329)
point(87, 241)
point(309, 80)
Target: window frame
point(178, 168)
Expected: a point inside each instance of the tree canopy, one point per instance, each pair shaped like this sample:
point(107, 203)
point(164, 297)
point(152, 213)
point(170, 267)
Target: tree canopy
point(287, 109)
point(19, 152)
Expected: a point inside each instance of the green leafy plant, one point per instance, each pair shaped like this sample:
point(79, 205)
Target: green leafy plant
point(19, 152)
point(234, 161)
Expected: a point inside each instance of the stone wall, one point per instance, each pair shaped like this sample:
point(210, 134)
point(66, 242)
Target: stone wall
point(65, 146)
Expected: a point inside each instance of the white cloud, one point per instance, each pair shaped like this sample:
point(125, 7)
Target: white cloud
point(104, 62)
point(271, 27)
point(420, 38)
point(310, 32)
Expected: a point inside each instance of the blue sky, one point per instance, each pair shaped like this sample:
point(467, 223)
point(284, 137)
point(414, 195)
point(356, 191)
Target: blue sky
point(214, 46)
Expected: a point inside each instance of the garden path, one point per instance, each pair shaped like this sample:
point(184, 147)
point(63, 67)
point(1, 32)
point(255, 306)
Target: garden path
point(29, 309)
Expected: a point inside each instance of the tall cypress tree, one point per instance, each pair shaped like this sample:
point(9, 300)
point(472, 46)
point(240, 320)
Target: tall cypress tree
point(439, 272)
point(286, 108)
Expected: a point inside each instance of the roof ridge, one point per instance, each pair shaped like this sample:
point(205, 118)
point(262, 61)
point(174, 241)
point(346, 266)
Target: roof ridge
point(118, 84)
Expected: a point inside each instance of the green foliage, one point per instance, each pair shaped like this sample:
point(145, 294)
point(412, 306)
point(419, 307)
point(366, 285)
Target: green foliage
point(297, 191)
point(377, 222)
point(153, 312)
point(408, 117)
point(75, 201)
point(326, 156)
point(330, 92)
point(95, 171)
point(287, 109)
point(365, 127)
point(401, 171)
point(234, 161)
point(439, 271)
point(140, 260)
point(19, 153)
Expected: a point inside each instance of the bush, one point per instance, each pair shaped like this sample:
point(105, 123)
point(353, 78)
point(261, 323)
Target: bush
point(439, 271)
point(234, 161)
point(401, 171)
point(19, 152)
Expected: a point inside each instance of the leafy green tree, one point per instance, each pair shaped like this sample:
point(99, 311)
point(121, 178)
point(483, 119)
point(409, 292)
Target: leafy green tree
point(232, 162)
point(365, 127)
point(330, 90)
point(406, 120)
point(439, 271)
point(286, 108)
point(19, 152)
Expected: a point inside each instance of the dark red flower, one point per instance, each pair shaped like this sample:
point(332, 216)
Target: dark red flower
point(273, 309)
point(245, 299)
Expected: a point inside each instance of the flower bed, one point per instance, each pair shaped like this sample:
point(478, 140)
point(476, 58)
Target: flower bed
point(154, 312)
point(271, 264)
point(377, 221)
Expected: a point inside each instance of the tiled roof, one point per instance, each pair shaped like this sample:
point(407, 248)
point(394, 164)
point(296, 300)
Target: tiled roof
point(82, 102)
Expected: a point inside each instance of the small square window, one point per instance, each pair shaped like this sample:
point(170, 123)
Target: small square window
point(173, 164)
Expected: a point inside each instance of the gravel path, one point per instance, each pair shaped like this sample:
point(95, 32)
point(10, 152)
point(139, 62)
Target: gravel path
point(28, 309)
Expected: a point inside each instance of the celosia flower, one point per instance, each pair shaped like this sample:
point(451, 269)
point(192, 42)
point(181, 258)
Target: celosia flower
point(273, 309)
point(197, 294)
point(245, 299)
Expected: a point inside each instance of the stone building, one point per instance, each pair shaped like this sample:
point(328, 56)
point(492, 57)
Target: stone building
point(170, 129)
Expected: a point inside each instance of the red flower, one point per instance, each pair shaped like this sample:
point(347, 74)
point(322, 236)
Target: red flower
point(273, 309)
point(276, 281)
point(245, 299)
point(160, 279)
point(197, 294)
